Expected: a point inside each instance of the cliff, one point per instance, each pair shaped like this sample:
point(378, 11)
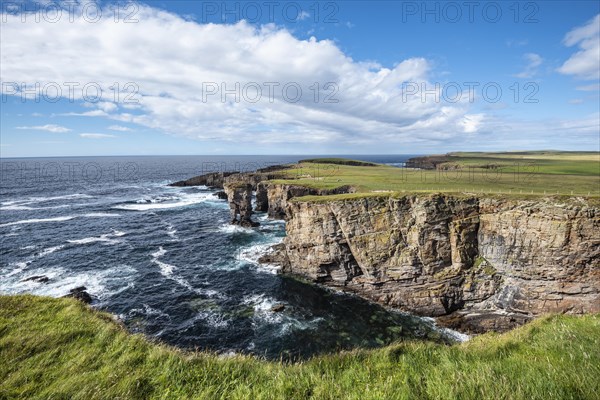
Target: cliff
point(502, 260)
point(273, 198)
point(217, 180)
point(476, 262)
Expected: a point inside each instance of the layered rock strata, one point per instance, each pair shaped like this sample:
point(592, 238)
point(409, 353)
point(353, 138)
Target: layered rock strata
point(433, 255)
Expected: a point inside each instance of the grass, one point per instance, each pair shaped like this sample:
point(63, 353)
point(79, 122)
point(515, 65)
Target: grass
point(507, 174)
point(61, 349)
point(536, 155)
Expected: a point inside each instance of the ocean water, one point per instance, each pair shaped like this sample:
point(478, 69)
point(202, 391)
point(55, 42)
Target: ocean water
point(166, 262)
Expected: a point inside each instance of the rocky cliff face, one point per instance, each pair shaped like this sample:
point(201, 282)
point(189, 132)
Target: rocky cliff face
point(213, 180)
point(433, 255)
point(273, 197)
point(239, 197)
point(477, 263)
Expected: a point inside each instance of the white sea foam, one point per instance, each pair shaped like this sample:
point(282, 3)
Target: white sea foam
point(23, 265)
point(65, 197)
point(228, 228)
point(100, 215)
point(263, 305)
point(182, 200)
point(159, 199)
point(147, 310)
point(458, 336)
point(49, 250)
point(165, 269)
point(22, 207)
point(168, 271)
point(101, 284)
point(24, 204)
point(58, 219)
point(20, 266)
point(159, 253)
point(171, 231)
point(213, 319)
point(39, 220)
point(263, 313)
point(251, 254)
point(108, 238)
point(260, 302)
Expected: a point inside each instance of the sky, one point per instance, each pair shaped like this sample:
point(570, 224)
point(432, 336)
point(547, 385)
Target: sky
point(85, 78)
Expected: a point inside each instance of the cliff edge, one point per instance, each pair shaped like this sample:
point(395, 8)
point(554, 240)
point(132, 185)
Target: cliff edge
point(503, 261)
point(475, 261)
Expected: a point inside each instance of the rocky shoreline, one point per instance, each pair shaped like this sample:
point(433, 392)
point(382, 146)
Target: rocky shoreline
point(476, 263)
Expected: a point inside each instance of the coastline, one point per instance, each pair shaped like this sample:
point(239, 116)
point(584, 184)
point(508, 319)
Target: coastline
point(465, 283)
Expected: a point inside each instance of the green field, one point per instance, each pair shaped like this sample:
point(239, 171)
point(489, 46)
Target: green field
point(61, 349)
point(515, 174)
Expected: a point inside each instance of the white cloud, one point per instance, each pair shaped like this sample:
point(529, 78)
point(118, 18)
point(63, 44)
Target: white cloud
point(107, 106)
point(584, 64)
point(576, 101)
point(47, 127)
point(119, 128)
point(303, 15)
point(533, 62)
point(589, 88)
point(96, 135)
point(472, 122)
point(168, 58)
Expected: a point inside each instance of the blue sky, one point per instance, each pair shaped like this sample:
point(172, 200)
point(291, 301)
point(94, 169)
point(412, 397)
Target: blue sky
point(189, 75)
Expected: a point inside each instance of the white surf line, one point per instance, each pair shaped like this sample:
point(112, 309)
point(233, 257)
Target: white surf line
point(58, 219)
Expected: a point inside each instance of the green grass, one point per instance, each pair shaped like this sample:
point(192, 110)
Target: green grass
point(506, 174)
point(536, 155)
point(61, 349)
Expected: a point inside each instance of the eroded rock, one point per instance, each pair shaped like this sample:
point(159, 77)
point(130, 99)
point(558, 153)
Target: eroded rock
point(80, 293)
point(434, 255)
point(239, 196)
point(37, 278)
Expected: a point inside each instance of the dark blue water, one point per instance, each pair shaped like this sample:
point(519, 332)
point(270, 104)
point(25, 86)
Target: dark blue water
point(167, 263)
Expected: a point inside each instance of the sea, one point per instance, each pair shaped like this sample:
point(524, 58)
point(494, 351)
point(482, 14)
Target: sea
point(165, 261)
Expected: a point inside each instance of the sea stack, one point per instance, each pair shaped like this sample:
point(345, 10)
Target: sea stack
point(239, 197)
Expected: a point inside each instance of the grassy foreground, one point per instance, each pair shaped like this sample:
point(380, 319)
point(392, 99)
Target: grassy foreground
point(507, 174)
point(61, 349)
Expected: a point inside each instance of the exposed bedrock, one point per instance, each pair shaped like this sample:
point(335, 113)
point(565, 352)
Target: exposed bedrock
point(239, 197)
point(212, 180)
point(482, 263)
point(433, 255)
point(219, 179)
point(274, 197)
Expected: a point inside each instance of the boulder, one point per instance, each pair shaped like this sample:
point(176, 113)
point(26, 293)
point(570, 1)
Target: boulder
point(37, 278)
point(278, 308)
point(80, 293)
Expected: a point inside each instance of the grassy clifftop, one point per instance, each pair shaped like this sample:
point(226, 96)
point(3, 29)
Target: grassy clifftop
point(506, 174)
point(59, 348)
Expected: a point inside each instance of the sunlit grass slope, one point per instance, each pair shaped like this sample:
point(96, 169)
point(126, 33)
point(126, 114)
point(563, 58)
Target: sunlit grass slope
point(507, 174)
point(61, 349)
